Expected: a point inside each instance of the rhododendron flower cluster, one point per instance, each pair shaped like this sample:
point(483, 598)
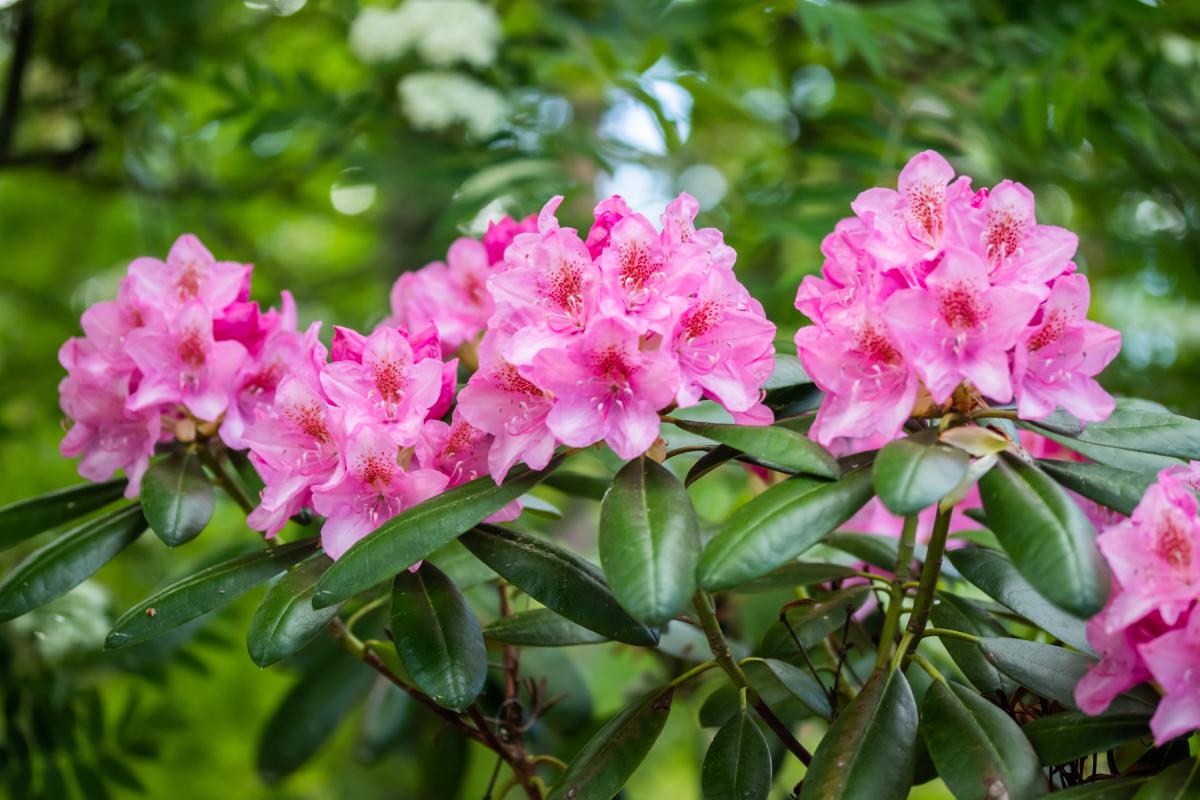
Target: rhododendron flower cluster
point(181, 347)
point(1150, 629)
point(936, 289)
point(592, 337)
point(453, 295)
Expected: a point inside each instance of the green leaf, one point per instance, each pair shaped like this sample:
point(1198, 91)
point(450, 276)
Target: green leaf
point(721, 454)
point(1049, 538)
point(416, 532)
point(1145, 430)
point(995, 575)
point(437, 637)
point(1053, 672)
point(649, 541)
point(1114, 789)
point(25, 519)
point(814, 621)
point(979, 751)
point(285, 620)
point(878, 551)
point(737, 765)
point(309, 713)
point(796, 681)
point(558, 579)
point(177, 498)
point(205, 591)
point(64, 563)
point(1068, 735)
point(1119, 457)
point(957, 614)
point(778, 525)
point(578, 485)
point(1180, 781)
point(384, 713)
point(774, 446)
point(539, 627)
point(788, 372)
point(613, 754)
point(871, 750)
point(798, 573)
point(914, 473)
point(1118, 489)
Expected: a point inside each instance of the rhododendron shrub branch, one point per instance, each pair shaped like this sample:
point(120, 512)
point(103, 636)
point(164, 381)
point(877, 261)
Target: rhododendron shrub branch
point(936, 477)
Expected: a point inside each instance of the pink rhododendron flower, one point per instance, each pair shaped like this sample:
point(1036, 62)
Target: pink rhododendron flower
point(190, 274)
point(1174, 661)
point(1121, 666)
point(500, 235)
point(608, 213)
point(634, 270)
point(460, 452)
point(606, 388)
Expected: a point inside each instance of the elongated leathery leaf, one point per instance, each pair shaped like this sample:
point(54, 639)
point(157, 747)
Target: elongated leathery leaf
point(1118, 489)
point(177, 498)
point(914, 473)
point(285, 620)
point(737, 765)
point(774, 446)
point(1067, 735)
point(540, 627)
point(25, 519)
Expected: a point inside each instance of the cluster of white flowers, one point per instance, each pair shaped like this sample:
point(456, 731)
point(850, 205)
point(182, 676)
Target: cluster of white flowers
point(441, 32)
point(436, 100)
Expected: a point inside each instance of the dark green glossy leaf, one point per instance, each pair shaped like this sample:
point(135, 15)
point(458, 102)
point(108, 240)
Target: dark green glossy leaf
point(774, 446)
point(177, 498)
point(285, 620)
point(1180, 781)
point(994, 573)
point(914, 473)
point(737, 765)
point(558, 579)
point(64, 563)
point(649, 541)
point(1068, 735)
point(578, 485)
point(613, 754)
point(437, 637)
point(1145, 430)
point(871, 750)
point(416, 532)
point(813, 621)
point(721, 454)
point(25, 519)
point(799, 573)
point(795, 691)
point(205, 591)
point(878, 551)
point(957, 614)
point(539, 627)
point(384, 713)
point(778, 525)
point(979, 751)
point(1118, 489)
point(1049, 538)
point(797, 681)
point(1119, 457)
point(309, 713)
point(1053, 672)
point(1114, 789)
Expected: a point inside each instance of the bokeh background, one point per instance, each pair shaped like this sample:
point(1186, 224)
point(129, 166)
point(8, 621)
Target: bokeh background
point(335, 144)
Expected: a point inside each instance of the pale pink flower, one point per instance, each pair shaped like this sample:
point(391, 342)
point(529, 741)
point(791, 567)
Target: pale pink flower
point(181, 363)
point(460, 452)
point(370, 490)
point(1174, 661)
point(106, 324)
point(1057, 356)
point(702, 248)
point(390, 387)
point(606, 388)
point(190, 274)
point(634, 272)
point(960, 328)
point(452, 296)
point(499, 400)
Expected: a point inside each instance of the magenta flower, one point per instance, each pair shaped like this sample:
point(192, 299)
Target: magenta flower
point(1057, 356)
point(634, 271)
point(1121, 666)
point(189, 274)
point(605, 387)
point(607, 214)
point(452, 296)
point(1155, 555)
point(371, 489)
point(1174, 661)
point(500, 235)
point(390, 387)
point(699, 247)
point(181, 363)
point(500, 401)
point(961, 328)
point(460, 452)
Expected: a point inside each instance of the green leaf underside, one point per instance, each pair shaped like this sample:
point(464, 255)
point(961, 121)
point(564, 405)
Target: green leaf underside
point(649, 541)
point(437, 637)
point(1141, 430)
point(177, 498)
point(613, 754)
point(1119, 457)
point(1068, 735)
point(781, 685)
point(558, 579)
point(204, 591)
point(914, 473)
point(1050, 540)
point(799, 573)
point(737, 765)
point(539, 627)
point(285, 620)
point(955, 613)
point(778, 525)
point(25, 519)
point(771, 445)
point(416, 532)
point(1118, 489)
point(980, 752)
point(870, 751)
point(62, 564)
point(994, 574)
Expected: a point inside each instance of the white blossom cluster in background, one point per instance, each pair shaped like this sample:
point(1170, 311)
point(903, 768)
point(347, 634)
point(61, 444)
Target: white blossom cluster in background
point(442, 33)
point(73, 624)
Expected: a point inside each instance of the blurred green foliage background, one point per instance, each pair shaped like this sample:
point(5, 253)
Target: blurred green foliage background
point(336, 156)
